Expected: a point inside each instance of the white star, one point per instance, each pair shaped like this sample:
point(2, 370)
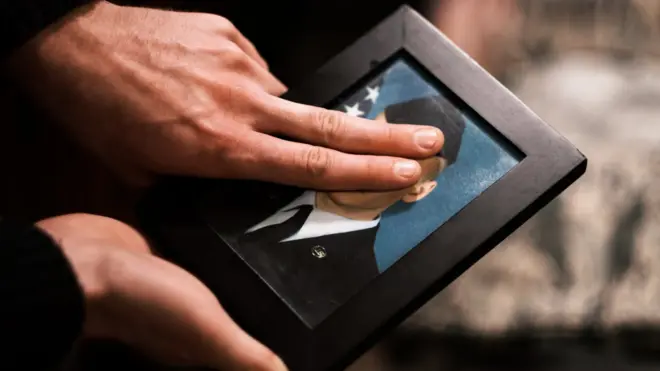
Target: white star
point(354, 110)
point(372, 94)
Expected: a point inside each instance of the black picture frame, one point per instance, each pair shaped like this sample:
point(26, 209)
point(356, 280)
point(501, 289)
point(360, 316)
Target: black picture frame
point(171, 219)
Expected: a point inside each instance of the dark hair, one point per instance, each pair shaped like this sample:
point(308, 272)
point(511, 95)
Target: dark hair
point(433, 111)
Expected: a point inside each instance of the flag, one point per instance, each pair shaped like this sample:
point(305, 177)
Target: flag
point(360, 103)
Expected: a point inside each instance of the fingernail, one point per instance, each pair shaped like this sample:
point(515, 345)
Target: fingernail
point(427, 138)
point(406, 169)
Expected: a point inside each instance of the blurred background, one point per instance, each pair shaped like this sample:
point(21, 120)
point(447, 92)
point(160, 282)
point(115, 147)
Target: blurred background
point(577, 287)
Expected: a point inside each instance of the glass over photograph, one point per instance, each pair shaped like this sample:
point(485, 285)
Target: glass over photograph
point(318, 249)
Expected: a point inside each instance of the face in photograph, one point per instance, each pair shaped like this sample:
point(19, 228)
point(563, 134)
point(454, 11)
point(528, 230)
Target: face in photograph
point(432, 111)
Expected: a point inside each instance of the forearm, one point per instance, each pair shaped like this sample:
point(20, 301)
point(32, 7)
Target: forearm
point(42, 308)
point(21, 20)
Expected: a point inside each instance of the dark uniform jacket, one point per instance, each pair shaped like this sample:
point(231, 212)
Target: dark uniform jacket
point(314, 275)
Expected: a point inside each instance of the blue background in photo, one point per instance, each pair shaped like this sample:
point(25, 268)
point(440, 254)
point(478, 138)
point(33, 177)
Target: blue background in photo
point(480, 163)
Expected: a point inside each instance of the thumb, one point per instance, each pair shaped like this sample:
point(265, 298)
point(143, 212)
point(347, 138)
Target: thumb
point(231, 348)
point(168, 313)
point(214, 339)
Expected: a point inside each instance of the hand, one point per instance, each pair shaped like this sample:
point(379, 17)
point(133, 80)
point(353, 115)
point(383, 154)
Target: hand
point(159, 92)
point(148, 303)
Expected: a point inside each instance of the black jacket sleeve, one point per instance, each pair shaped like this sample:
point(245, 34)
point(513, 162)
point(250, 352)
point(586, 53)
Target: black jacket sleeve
point(41, 302)
point(21, 20)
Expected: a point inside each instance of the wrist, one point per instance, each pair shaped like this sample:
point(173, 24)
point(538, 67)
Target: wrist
point(99, 250)
point(42, 302)
point(55, 46)
point(42, 19)
point(89, 261)
point(23, 20)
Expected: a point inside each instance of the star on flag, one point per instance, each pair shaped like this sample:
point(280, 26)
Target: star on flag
point(361, 102)
point(354, 110)
point(372, 94)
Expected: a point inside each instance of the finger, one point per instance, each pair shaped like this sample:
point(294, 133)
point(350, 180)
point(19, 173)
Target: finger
point(303, 165)
point(233, 349)
point(232, 33)
point(168, 313)
point(242, 64)
point(271, 84)
point(224, 345)
point(248, 47)
point(345, 133)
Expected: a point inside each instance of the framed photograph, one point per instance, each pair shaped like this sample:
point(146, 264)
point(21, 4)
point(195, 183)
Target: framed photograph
point(319, 276)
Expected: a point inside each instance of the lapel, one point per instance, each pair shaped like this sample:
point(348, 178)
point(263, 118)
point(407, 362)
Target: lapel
point(231, 207)
point(354, 243)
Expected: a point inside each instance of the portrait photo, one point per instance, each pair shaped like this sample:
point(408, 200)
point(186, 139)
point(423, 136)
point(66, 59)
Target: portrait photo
point(318, 249)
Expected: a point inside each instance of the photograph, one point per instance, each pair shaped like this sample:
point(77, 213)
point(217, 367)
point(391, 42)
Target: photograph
point(316, 249)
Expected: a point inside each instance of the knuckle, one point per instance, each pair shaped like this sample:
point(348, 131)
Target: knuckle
point(390, 133)
point(226, 26)
point(233, 56)
point(316, 162)
point(331, 124)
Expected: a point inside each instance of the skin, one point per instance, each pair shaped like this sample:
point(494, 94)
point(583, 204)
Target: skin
point(152, 92)
point(362, 205)
point(132, 296)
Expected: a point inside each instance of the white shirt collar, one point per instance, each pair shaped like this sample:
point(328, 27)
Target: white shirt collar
point(307, 198)
point(320, 223)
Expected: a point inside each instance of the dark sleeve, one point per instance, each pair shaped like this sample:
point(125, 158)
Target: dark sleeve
point(41, 303)
point(21, 20)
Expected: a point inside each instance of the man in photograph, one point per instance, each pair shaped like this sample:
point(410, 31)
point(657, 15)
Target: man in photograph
point(317, 249)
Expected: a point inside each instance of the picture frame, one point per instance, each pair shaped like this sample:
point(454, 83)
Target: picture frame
point(180, 216)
